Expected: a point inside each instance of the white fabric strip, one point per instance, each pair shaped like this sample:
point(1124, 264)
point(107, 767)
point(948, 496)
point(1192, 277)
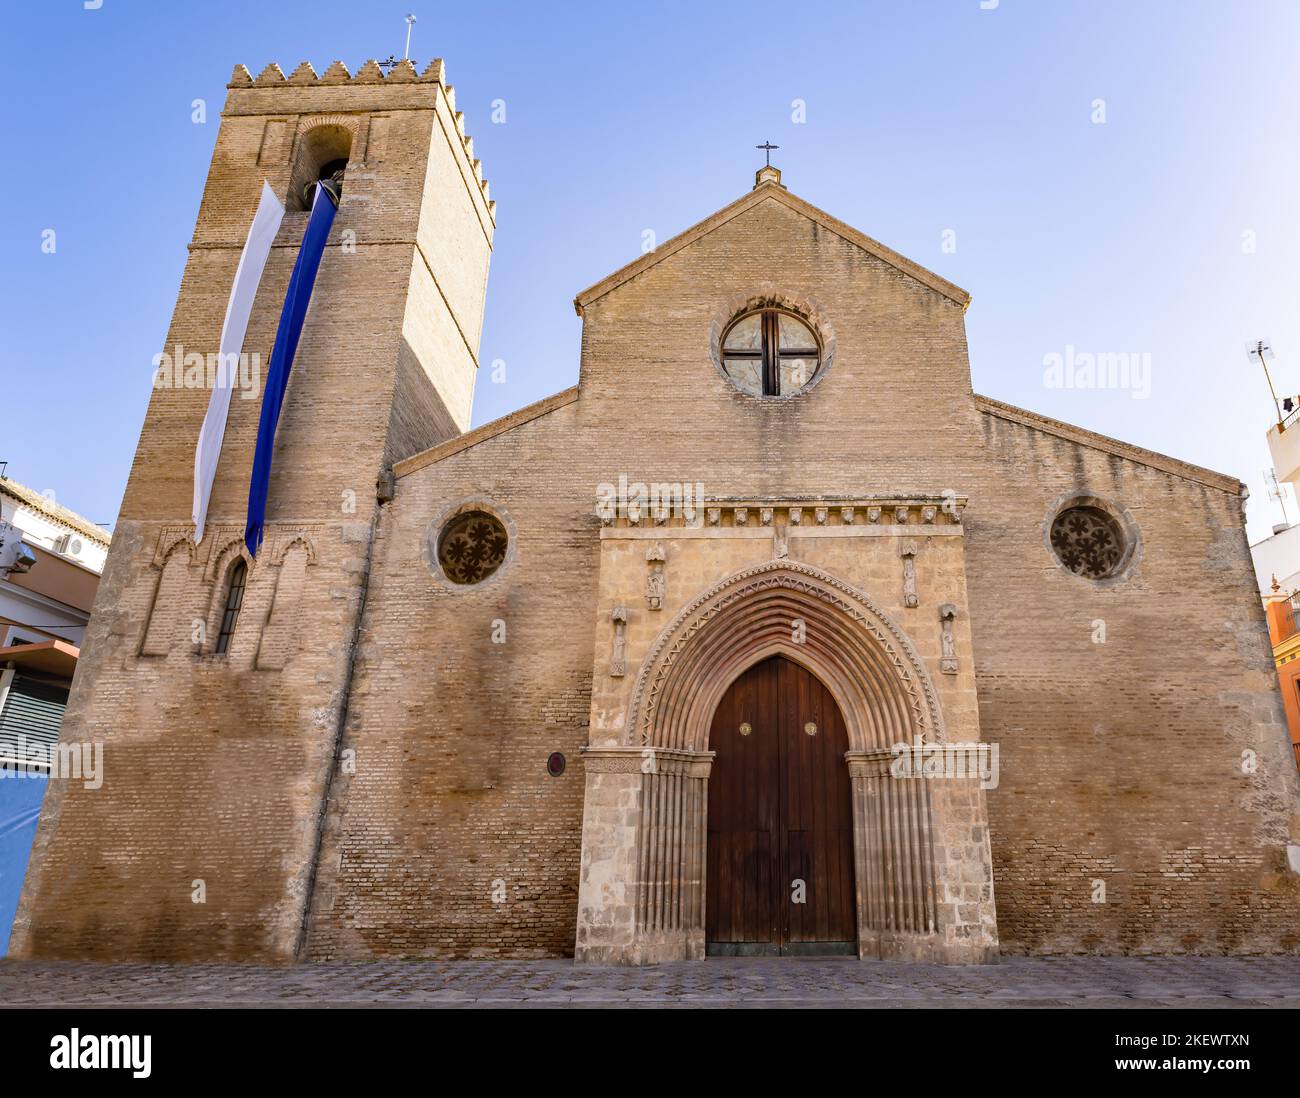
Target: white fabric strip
point(266, 223)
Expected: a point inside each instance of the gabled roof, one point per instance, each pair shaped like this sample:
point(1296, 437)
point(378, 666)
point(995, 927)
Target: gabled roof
point(1107, 445)
point(771, 191)
point(55, 512)
point(482, 433)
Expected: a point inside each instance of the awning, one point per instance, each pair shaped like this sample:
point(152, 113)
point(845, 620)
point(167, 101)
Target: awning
point(53, 657)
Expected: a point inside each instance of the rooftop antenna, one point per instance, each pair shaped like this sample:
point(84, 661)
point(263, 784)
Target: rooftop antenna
point(1275, 492)
point(1262, 349)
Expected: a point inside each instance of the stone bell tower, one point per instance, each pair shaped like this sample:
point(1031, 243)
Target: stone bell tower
point(218, 685)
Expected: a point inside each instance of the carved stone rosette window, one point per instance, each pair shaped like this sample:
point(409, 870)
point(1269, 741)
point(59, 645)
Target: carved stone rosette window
point(1089, 542)
point(1092, 538)
point(472, 547)
point(469, 544)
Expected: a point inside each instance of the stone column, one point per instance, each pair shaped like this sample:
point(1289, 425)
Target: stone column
point(924, 874)
point(894, 855)
point(641, 885)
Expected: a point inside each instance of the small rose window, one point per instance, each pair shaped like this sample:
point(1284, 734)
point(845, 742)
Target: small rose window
point(770, 353)
point(472, 546)
point(1089, 542)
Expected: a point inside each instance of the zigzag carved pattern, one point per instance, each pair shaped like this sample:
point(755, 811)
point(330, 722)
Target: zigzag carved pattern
point(895, 645)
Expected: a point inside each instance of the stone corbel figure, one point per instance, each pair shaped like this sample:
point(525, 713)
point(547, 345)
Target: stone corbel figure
point(948, 662)
point(618, 660)
point(656, 583)
point(907, 550)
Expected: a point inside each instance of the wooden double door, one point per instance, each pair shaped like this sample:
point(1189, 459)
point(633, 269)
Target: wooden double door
point(780, 831)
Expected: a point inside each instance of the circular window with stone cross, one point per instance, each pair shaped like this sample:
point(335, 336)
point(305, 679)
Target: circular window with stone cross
point(1089, 542)
point(472, 546)
point(770, 352)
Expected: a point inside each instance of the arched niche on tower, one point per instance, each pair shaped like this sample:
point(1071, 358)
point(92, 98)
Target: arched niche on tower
point(323, 145)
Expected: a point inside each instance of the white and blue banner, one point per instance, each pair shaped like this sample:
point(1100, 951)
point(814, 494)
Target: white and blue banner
point(296, 300)
point(248, 275)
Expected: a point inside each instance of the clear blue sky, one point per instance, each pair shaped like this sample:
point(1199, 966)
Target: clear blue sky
point(920, 117)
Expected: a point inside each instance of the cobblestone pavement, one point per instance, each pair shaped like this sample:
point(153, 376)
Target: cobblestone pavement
point(1016, 981)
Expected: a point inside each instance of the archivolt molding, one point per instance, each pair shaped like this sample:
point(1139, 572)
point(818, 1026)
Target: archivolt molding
point(281, 550)
point(172, 539)
point(853, 646)
point(349, 122)
point(224, 554)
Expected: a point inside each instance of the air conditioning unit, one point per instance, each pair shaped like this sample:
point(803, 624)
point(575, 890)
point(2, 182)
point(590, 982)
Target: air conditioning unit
point(16, 556)
point(68, 545)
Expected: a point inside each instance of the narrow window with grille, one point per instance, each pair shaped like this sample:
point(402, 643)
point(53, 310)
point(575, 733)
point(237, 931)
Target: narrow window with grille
point(234, 600)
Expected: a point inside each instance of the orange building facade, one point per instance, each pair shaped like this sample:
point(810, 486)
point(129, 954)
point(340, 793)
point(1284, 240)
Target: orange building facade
point(1284, 634)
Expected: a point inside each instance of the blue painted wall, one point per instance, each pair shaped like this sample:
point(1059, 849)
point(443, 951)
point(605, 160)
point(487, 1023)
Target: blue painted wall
point(20, 807)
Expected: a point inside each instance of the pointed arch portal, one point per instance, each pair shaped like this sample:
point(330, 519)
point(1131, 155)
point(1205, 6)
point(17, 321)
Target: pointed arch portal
point(834, 640)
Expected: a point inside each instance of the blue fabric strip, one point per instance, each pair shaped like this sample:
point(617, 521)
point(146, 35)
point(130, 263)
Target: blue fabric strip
point(296, 301)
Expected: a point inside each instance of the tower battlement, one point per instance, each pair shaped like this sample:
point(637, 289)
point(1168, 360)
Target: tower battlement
point(404, 88)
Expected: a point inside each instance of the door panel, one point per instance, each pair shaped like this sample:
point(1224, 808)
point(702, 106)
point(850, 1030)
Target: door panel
point(779, 813)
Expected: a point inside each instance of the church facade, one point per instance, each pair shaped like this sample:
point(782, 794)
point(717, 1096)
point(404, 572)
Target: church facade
point(769, 636)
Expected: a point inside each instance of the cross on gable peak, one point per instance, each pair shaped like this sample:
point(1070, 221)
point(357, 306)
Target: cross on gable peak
point(767, 173)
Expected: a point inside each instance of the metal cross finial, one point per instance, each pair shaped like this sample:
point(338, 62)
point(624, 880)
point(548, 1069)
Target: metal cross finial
point(767, 148)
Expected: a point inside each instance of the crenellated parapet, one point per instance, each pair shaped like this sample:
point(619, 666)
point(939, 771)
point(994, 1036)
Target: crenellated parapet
point(339, 90)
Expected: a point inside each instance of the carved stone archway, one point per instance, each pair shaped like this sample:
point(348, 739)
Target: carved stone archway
point(884, 691)
point(797, 610)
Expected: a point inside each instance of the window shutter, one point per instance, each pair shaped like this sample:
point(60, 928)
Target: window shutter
point(33, 710)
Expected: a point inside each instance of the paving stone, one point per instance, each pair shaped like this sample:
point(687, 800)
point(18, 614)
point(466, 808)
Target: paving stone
point(749, 982)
